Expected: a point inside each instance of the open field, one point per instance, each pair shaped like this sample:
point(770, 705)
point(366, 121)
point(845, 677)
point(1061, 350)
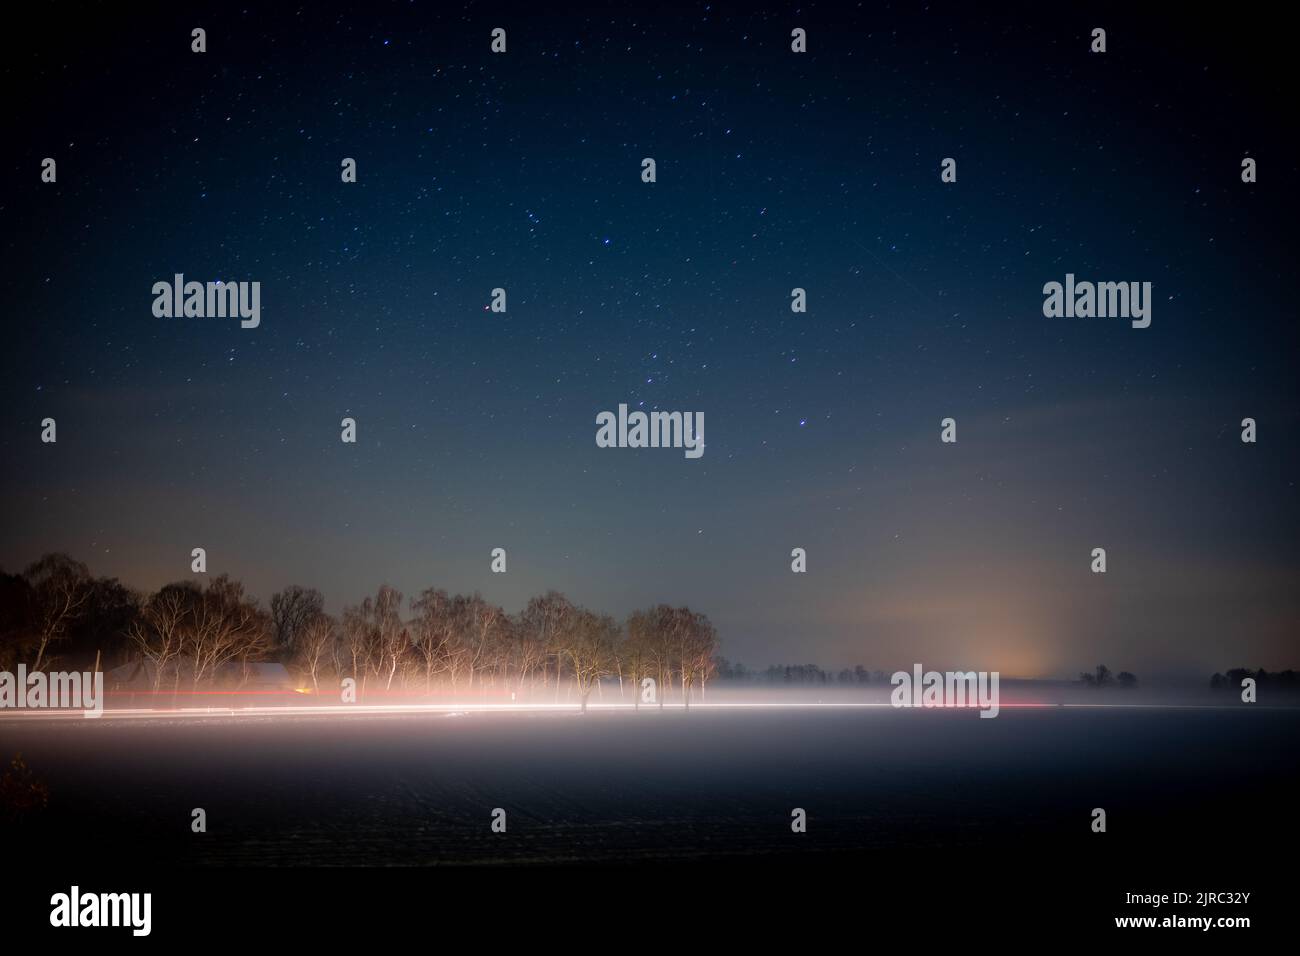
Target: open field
point(715, 784)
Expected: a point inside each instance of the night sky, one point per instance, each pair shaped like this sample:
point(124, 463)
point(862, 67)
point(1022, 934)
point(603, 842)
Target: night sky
point(775, 170)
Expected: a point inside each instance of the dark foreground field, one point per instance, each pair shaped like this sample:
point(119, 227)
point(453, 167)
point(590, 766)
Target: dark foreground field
point(419, 790)
point(934, 798)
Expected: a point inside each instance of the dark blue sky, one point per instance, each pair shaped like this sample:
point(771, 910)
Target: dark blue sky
point(775, 170)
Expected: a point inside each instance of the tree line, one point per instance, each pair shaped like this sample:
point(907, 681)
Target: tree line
point(1102, 677)
point(800, 675)
point(1287, 680)
point(56, 613)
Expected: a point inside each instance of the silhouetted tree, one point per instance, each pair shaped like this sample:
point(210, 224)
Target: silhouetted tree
point(60, 589)
point(291, 610)
point(17, 612)
point(100, 630)
point(1287, 680)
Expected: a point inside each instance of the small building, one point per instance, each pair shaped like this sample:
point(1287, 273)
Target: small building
point(143, 675)
point(178, 673)
point(259, 675)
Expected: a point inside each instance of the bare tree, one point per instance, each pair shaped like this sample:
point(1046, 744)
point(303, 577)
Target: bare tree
point(636, 655)
point(60, 588)
point(481, 627)
point(355, 630)
point(316, 642)
point(546, 622)
point(590, 650)
point(160, 632)
point(698, 645)
point(227, 627)
point(291, 611)
point(460, 641)
point(394, 640)
point(377, 639)
point(665, 635)
point(433, 629)
point(529, 648)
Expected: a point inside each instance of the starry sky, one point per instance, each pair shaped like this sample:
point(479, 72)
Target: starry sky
point(775, 170)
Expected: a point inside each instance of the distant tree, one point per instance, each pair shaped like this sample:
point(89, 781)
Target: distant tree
point(724, 669)
point(1126, 680)
point(1278, 680)
point(1237, 675)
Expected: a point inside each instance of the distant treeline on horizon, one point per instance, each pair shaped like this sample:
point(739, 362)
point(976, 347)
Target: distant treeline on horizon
point(812, 675)
point(55, 614)
point(1288, 679)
